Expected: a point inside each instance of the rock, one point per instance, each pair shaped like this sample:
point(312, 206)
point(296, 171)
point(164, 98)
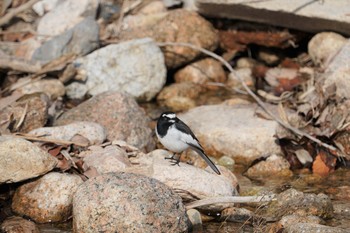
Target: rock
point(121, 202)
point(342, 210)
point(21, 160)
point(238, 132)
point(324, 45)
point(195, 181)
point(66, 15)
point(138, 70)
point(44, 6)
point(245, 74)
point(245, 62)
point(202, 72)
point(121, 116)
point(53, 88)
point(180, 26)
point(235, 214)
point(227, 161)
point(80, 39)
point(27, 113)
point(313, 18)
point(93, 132)
point(179, 96)
point(290, 220)
point(274, 165)
point(149, 14)
point(313, 228)
point(337, 73)
point(269, 57)
point(196, 221)
point(292, 201)
point(109, 159)
point(18, 225)
point(47, 199)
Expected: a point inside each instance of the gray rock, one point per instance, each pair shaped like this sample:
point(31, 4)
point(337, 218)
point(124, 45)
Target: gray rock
point(337, 72)
point(196, 220)
point(274, 165)
point(16, 224)
point(235, 214)
point(291, 14)
point(121, 202)
point(195, 181)
point(93, 132)
point(119, 113)
point(66, 15)
point(80, 40)
point(48, 199)
point(136, 67)
point(313, 228)
point(235, 131)
point(53, 88)
point(324, 45)
point(109, 159)
point(21, 160)
point(288, 220)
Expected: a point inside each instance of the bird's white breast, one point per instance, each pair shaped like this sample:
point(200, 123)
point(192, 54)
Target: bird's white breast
point(176, 140)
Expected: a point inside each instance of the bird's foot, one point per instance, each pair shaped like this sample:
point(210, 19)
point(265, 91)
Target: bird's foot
point(174, 161)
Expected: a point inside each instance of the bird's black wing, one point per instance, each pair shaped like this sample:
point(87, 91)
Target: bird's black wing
point(180, 125)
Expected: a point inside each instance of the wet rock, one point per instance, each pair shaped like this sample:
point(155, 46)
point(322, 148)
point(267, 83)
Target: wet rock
point(53, 88)
point(313, 228)
point(337, 72)
point(227, 161)
point(22, 160)
point(274, 165)
point(292, 201)
point(81, 39)
point(122, 117)
point(93, 132)
point(18, 225)
point(47, 199)
point(195, 181)
point(66, 15)
point(178, 26)
point(202, 72)
point(196, 221)
point(109, 159)
point(323, 46)
point(27, 113)
point(179, 96)
point(342, 209)
point(238, 132)
point(138, 70)
point(289, 220)
point(235, 214)
point(121, 202)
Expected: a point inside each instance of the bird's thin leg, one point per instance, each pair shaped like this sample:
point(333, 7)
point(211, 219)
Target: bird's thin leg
point(174, 161)
point(172, 157)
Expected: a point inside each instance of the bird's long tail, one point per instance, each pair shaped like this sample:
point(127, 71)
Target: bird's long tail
point(205, 157)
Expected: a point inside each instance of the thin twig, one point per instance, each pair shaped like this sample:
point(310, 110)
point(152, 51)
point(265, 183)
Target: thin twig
point(230, 199)
point(13, 12)
point(52, 140)
point(255, 97)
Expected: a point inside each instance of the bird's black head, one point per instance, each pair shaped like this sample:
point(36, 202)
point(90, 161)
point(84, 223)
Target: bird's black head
point(165, 120)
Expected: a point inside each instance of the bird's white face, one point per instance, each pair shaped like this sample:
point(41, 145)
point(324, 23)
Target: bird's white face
point(169, 115)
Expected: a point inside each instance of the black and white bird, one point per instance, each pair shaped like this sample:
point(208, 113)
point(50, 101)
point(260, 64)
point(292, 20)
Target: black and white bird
point(176, 136)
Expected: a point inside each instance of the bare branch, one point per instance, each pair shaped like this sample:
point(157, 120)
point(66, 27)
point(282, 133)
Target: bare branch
point(13, 12)
point(230, 199)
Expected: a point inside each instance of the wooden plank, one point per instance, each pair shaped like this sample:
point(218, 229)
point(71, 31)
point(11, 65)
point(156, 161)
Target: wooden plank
point(306, 15)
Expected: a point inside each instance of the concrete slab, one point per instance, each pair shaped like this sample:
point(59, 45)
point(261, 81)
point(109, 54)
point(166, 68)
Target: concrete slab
point(306, 15)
